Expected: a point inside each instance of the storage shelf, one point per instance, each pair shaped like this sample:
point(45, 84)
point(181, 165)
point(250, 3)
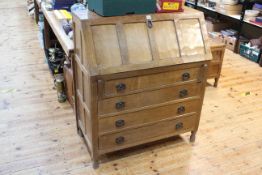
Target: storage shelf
point(240, 17)
point(237, 17)
point(254, 24)
point(211, 9)
point(189, 2)
point(205, 7)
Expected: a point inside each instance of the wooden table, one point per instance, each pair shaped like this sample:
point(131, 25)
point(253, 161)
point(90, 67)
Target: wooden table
point(37, 4)
point(51, 22)
point(54, 32)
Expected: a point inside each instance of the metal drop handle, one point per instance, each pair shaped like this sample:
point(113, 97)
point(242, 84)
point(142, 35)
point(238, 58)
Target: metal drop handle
point(120, 140)
point(120, 105)
point(149, 21)
point(120, 87)
point(185, 76)
point(181, 109)
point(179, 126)
point(120, 123)
point(183, 93)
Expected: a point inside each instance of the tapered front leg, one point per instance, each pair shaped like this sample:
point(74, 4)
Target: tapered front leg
point(79, 132)
point(216, 82)
point(193, 136)
point(95, 164)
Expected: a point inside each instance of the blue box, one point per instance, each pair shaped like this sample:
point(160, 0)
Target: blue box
point(63, 4)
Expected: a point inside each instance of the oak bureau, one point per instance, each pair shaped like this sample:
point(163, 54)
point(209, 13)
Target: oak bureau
point(138, 78)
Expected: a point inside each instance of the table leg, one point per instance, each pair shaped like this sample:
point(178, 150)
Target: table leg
point(36, 12)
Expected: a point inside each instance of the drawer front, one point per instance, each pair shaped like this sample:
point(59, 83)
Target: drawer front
point(146, 134)
point(139, 100)
point(116, 123)
point(213, 70)
point(134, 84)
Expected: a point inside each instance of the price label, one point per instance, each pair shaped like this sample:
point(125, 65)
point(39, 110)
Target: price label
point(170, 6)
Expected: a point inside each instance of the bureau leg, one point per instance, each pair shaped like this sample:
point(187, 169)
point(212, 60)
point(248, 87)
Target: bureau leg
point(193, 136)
point(95, 164)
point(216, 82)
point(79, 132)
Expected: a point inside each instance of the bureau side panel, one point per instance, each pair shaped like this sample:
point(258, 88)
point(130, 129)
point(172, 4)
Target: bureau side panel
point(83, 89)
point(203, 74)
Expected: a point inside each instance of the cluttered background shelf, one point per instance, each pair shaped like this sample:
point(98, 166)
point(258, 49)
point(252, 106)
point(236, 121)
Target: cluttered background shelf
point(242, 18)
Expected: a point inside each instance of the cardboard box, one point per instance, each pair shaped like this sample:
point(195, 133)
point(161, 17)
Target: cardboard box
point(226, 7)
point(216, 36)
point(230, 42)
point(228, 10)
point(216, 26)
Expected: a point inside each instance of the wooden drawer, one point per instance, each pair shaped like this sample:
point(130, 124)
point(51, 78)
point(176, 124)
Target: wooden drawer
point(152, 132)
point(139, 100)
point(116, 123)
point(135, 84)
point(214, 70)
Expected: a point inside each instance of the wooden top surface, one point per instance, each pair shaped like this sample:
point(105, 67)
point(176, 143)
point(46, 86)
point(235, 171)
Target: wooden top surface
point(66, 43)
point(214, 43)
point(127, 43)
point(38, 2)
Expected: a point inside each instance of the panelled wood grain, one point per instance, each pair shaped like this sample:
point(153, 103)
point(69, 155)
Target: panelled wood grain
point(107, 54)
point(163, 32)
point(140, 44)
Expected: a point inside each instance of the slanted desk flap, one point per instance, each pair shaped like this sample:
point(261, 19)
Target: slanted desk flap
point(135, 42)
point(190, 37)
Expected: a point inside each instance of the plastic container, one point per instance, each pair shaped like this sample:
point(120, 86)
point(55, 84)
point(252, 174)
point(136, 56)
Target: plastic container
point(252, 13)
point(250, 53)
point(259, 19)
point(257, 6)
point(230, 2)
point(122, 7)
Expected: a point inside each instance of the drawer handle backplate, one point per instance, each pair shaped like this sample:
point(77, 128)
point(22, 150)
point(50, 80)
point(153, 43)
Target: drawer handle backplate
point(179, 126)
point(120, 105)
point(120, 140)
point(183, 93)
point(185, 76)
point(120, 123)
point(120, 87)
point(181, 109)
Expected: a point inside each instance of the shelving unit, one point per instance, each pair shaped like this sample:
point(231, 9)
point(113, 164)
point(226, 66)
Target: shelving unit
point(239, 18)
